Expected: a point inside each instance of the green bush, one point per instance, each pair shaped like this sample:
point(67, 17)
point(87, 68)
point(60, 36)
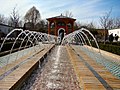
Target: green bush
point(110, 47)
point(112, 43)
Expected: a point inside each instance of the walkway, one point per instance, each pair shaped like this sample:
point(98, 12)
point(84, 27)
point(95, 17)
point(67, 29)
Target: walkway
point(19, 70)
point(91, 75)
point(65, 68)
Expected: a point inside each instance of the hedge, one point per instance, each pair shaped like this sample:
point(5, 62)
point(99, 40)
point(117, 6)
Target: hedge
point(108, 47)
point(113, 43)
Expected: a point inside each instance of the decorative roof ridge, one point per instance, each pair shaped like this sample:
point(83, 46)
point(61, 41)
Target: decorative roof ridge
point(61, 16)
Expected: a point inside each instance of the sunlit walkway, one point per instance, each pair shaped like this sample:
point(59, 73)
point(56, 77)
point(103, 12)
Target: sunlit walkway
point(91, 74)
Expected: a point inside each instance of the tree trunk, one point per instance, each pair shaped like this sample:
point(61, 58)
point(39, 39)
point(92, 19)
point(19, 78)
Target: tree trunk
point(104, 36)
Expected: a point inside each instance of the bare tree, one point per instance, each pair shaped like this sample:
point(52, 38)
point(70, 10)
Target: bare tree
point(2, 19)
point(105, 22)
point(90, 25)
point(21, 23)
point(117, 22)
point(78, 24)
point(113, 23)
point(14, 18)
point(32, 16)
point(41, 26)
point(68, 14)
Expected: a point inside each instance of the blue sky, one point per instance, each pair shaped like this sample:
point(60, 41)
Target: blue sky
point(83, 10)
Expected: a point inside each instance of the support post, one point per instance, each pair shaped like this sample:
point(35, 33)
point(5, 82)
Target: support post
point(55, 28)
point(66, 28)
point(49, 28)
point(72, 26)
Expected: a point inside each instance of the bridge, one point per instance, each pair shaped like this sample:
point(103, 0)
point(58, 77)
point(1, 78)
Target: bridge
point(36, 61)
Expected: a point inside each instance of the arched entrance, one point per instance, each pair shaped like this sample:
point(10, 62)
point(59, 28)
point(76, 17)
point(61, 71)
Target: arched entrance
point(61, 32)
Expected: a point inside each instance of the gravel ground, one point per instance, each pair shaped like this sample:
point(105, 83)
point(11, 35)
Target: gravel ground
point(56, 74)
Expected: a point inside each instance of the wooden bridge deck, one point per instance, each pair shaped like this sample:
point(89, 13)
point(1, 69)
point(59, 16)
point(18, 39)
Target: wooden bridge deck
point(17, 77)
point(90, 75)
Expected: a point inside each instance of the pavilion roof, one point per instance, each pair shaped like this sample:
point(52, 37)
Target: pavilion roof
point(61, 17)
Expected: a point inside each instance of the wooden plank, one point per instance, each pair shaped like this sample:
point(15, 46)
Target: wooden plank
point(86, 79)
point(104, 73)
point(15, 78)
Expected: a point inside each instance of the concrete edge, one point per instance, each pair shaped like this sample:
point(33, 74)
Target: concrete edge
point(117, 57)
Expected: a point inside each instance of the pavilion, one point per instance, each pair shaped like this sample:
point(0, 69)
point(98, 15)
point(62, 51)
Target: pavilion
point(60, 25)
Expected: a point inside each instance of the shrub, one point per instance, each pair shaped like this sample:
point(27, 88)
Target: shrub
point(110, 47)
